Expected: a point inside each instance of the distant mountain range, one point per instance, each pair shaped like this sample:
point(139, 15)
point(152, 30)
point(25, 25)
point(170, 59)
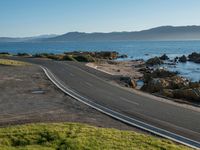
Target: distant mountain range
point(159, 33)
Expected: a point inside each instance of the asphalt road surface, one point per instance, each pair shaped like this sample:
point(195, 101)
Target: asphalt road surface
point(173, 118)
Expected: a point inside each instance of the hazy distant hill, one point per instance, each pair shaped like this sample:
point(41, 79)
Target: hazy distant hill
point(159, 33)
point(25, 39)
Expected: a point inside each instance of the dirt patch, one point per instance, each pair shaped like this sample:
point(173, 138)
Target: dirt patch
point(27, 96)
point(122, 68)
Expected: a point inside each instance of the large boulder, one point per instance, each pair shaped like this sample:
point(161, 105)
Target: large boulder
point(129, 82)
point(194, 84)
point(167, 93)
point(164, 57)
point(155, 85)
point(154, 61)
point(132, 83)
point(188, 94)
point(123, 56)
point(195, 57)
point(183, 59)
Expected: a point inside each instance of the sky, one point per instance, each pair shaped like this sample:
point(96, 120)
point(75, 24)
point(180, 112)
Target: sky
point(21, 18)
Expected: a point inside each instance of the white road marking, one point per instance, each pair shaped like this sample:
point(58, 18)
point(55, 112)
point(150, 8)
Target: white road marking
point(129, 101)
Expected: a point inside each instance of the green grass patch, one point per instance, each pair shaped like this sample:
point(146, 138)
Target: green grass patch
point(5, 54)
point(71, 136)
point(7, 62)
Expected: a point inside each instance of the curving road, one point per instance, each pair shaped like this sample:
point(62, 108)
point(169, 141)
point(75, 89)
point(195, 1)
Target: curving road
point(89, 86)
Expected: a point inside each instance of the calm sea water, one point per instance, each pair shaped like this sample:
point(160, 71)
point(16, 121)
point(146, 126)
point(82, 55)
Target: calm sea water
point(134, 49)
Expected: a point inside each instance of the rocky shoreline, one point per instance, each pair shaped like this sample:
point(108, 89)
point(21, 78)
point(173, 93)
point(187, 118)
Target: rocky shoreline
point(168, 83)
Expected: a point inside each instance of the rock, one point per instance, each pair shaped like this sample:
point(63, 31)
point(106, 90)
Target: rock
point(130, 82)
point(167, 93)
point(171, 63)
point(123, 56)
point(164, 57)
point(118, 70)
point(195, 57)
point(143, 70)
point(155, 85)
point(154, 61)
point(194, 84)
point(183, 59)
point(197, 60)
point(188, 94)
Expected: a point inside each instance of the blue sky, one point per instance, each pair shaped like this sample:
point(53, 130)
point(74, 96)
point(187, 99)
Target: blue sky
point(20, 18)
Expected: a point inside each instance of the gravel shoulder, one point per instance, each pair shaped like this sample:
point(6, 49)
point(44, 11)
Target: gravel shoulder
point(27, 96)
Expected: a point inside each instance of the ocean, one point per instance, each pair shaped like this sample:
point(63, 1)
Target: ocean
point(134, 50)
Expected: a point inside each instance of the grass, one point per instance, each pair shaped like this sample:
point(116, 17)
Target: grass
point(5, 54)
point(71, 136)
point(7, 62)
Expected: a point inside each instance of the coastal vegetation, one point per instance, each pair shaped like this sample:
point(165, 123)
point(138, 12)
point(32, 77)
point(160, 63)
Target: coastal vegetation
point(79, 56)
point(7, 62)
point(4, 54)
point(74, 136)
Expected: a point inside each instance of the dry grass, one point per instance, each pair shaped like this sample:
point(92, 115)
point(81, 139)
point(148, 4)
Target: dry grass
point(7, 62)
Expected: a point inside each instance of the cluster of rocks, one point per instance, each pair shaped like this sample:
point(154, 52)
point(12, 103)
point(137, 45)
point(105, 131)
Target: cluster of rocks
point(169, 84)
point(194, 57)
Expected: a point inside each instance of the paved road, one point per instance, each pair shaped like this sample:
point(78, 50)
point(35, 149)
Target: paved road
point(179, 120)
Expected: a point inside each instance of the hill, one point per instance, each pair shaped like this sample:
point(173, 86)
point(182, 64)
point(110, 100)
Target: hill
point(162, 33)
point(159, 33)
